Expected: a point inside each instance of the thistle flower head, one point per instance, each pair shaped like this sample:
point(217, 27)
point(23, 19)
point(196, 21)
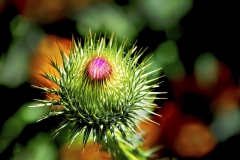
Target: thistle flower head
point(101, 90)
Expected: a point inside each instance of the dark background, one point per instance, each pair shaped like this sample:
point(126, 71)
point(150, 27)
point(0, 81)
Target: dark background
point(210, 26)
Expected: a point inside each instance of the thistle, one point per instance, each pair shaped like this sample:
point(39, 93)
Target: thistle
point(102, 90)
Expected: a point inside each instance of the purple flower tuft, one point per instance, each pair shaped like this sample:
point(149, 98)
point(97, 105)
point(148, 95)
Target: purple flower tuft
point(98, 69)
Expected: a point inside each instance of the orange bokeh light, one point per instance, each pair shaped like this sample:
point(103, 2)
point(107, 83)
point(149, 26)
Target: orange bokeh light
point(47, 48)
point(194, 140)
point(44, 11)
point(91, 152)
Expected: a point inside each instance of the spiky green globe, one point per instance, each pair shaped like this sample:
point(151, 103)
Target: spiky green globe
point(101, 90)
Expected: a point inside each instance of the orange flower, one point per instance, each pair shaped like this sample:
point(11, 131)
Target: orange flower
point(152, 134)
point(194, 140)
point(227, 99)
point(41, 11)
point(47, 47)
point(74, 152)
point(186, 135)
point(45, 11)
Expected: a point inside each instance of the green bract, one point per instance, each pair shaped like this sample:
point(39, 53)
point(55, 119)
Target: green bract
point(103, 100)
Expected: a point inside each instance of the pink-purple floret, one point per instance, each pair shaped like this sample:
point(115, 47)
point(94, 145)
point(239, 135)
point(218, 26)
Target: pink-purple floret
point(98, 69)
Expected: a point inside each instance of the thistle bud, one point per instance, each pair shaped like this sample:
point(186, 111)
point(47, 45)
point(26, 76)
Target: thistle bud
point(102, 90)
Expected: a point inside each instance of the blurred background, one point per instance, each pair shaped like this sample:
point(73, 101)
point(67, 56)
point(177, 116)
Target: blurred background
point(194, 42)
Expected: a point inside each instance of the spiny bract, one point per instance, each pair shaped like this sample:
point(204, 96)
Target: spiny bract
point(101, 90)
